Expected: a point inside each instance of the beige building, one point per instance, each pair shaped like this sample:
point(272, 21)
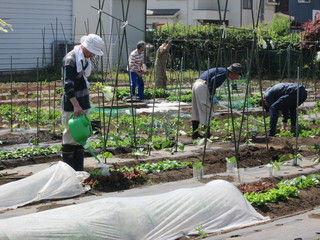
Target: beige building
point(197, 12)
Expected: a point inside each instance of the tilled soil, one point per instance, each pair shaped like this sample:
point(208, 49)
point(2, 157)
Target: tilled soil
point(215, 162)
point(249, 156)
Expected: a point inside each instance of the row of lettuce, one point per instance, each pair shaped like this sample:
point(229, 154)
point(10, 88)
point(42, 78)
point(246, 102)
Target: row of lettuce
point(285, 189)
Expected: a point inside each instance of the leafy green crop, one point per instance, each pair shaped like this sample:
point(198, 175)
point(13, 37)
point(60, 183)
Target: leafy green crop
point(197, 165)
point(285, 190)
point(34, 151)
point(148, 93)
point(27, 115)
point(183, 98)
point(273, 195)
point(157, 167)
point(303, 181)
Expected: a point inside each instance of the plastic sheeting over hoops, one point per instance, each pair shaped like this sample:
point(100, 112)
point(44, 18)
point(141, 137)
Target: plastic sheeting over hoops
point(216, 206)
point(57, 181)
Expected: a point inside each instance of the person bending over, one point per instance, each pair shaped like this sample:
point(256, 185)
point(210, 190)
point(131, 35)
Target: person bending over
point(203, 91)
point(283, 97)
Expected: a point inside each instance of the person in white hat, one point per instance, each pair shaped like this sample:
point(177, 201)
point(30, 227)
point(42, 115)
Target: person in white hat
point(76, 68)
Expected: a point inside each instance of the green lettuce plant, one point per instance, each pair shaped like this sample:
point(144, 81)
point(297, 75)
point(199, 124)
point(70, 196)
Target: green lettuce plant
point(157, 167)
point(286, 189)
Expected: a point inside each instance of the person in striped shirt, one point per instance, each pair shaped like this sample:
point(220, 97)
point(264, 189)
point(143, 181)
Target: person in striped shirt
point(136, 62)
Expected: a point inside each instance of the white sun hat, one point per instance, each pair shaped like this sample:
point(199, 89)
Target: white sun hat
point(93, 43)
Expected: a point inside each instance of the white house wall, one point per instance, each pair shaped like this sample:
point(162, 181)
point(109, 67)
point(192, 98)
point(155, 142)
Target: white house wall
point(162, 19)
point(87, 18)
point(192, 10)
point(269, 10)
point(135, 29)
point(243, 17)
point(268, 13)
point(37, 24)
point(86, 21)
point(183, 5)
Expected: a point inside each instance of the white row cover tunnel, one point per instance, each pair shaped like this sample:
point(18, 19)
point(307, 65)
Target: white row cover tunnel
point(216, 206)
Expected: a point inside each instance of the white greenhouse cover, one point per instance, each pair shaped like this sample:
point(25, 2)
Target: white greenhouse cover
point(216, 206)
point(57, 181)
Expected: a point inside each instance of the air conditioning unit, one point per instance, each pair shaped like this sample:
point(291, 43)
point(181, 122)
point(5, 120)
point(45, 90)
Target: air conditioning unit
point(59, 50)
point(304, 1)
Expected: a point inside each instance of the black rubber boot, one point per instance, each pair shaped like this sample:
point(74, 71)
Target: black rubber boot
point(78, 158)
point(272, 133)
point(67, 154)
point(195, 130)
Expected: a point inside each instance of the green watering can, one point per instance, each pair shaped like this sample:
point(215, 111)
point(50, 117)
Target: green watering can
point(81, 130)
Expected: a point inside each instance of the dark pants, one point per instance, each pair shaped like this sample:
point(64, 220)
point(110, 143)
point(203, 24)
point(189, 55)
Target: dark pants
point(73, 155)
point(287, 104)
point(134, 81)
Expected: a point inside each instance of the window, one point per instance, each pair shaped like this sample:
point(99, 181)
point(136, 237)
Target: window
point(273, 1)
point(247, 4)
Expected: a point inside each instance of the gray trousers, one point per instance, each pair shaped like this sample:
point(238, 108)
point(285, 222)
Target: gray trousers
point(201, 102)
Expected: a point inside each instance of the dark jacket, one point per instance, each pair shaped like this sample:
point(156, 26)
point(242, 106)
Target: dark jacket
point(283, 97)
point(220, 74)
point(74, 84)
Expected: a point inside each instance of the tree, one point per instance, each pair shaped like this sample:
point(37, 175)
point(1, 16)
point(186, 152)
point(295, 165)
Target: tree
point(280, 25)
point(311, 34)
point(277, 32)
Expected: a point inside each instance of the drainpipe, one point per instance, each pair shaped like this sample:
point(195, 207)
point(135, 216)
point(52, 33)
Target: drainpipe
point(145, 19)
point(262, 11)
point(241, 13)
point(187, 12)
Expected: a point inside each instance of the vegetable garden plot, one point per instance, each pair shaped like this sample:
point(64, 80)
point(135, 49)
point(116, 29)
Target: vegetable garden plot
point(194, 64)
point(216, 206)
point(181, 174)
